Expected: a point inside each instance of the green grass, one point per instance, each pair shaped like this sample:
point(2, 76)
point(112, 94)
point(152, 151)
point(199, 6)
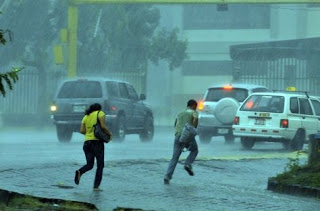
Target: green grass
point(300, 175)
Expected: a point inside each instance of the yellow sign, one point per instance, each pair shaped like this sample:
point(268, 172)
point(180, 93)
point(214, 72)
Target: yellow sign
point(58, 54)
point(291, 89)
point(64, 35)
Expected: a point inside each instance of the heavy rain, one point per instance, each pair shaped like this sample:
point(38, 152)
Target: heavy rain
point(142, 61)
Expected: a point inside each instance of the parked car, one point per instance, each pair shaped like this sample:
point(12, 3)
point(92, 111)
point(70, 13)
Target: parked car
point(126, 113)
point(288, 118)
point(218, 109)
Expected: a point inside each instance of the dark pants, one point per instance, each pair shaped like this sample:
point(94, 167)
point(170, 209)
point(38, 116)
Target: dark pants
point(177, 150)
point(94, 149)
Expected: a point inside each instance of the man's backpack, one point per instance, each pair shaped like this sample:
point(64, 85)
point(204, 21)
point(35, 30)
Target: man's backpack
point(188, 133)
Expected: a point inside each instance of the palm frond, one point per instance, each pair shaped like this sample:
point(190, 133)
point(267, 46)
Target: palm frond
point(6, 79)
point(10, 78)
point(2, 90)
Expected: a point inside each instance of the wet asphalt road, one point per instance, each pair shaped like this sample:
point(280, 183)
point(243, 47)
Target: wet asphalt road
point(226, 177)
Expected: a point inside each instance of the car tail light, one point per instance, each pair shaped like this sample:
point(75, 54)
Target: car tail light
point(284, 123)
point(236, 120)
point(201, 105)
point(228, 87)
point(109, 108)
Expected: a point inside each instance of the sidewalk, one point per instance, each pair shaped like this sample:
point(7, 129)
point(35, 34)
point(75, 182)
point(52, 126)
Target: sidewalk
point(217, 185)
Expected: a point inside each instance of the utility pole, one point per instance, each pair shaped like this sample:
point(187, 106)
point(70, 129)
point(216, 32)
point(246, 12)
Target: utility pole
point(73, 39)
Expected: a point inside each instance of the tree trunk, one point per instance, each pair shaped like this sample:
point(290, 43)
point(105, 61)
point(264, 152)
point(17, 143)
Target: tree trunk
point(314, 149)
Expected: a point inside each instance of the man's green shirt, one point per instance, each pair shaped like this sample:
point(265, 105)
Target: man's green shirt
point(185, 116)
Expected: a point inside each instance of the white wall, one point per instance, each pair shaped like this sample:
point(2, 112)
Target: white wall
point(313, 24)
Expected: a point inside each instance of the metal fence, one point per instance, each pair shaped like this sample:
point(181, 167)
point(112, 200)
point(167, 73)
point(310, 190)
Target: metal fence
point(135, 78)
point(281, 73)
point(30, 99)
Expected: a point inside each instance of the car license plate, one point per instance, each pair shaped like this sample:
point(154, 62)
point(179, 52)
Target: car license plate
point(223, 131)
point(264, 115)
point(260, 122)
point(79, 108)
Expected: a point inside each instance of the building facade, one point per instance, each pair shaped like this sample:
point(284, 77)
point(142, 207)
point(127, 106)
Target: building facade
point(211, 30)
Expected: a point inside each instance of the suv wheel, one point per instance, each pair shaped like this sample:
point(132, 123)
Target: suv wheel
point(298, 140)
point(247, 143)
point(148, 130)
point(120, 129)
point(63, 133)
point(229, 138)
point(286, 144)
point(204, 138)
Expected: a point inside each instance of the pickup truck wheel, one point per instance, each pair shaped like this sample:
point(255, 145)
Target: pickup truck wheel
point(147, 133)
point(120, 132)
point(247, 142)
point(63, 133)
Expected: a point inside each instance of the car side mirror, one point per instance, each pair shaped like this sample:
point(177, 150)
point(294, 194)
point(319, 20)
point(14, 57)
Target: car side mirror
point(142, 96)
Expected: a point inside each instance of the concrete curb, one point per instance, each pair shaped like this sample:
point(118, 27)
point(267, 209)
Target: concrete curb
point(293, 189)
point(6, 197)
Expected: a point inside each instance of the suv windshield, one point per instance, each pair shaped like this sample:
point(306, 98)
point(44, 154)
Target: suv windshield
point(80, 89)
point(264, 103)
point(216, 94)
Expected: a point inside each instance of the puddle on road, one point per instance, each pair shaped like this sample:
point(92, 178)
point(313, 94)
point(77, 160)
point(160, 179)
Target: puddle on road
point(62, 186)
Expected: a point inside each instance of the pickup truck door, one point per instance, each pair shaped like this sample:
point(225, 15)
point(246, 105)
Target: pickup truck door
point(137, 118)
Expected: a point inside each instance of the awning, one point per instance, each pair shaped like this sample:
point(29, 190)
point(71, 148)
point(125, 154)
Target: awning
point(298, 48)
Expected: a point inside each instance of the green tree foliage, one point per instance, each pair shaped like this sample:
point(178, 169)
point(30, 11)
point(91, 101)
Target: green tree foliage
point(124, 37)
point(35, 25)
point(11, 76)
point(173, 51)
point(2, 39)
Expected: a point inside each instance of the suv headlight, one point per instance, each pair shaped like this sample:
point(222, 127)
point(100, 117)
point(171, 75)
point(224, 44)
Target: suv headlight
point(53, 108)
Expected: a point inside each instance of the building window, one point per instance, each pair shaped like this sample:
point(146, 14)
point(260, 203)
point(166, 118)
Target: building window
point(237, 16)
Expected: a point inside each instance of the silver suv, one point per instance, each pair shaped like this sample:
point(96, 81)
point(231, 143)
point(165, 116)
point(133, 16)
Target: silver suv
point(126, 113)
point(218, 109)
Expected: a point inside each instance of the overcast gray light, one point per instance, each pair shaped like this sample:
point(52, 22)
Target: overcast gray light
point(170, 53)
